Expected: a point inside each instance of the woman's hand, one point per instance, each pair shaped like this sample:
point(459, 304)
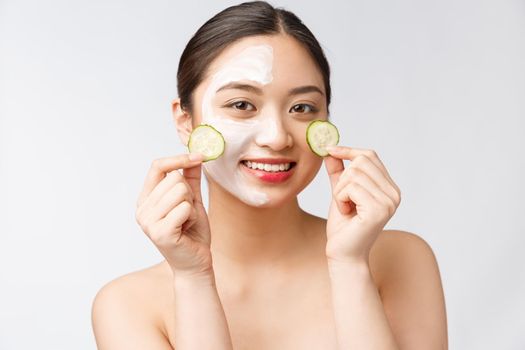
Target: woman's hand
point(171, 213)
point(364, 198)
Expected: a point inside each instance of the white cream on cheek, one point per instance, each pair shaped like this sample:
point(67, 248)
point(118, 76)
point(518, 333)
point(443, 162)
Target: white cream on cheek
point(254, 64)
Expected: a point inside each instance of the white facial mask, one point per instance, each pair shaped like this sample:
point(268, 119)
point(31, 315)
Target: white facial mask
point(254, 64)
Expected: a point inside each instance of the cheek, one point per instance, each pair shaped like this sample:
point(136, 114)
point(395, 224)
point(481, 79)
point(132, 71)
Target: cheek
point(237, 135)
point(300, 137)
point(312, 168)
point(310, 162)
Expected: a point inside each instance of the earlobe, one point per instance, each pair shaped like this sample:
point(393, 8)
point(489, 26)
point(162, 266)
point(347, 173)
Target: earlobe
point(182, 121)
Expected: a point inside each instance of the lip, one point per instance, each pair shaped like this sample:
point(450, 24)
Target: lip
point(270, 177)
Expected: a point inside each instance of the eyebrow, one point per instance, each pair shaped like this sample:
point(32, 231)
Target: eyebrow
point(256, 90)
point(240, 86)
point(305, 89)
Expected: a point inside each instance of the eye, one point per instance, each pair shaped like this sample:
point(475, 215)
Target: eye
point(303, 108)
point(242, 105)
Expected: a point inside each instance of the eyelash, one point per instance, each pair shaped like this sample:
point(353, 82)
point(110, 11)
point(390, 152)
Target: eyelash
point(237, 102)
point(312, 108)
point(233, 104)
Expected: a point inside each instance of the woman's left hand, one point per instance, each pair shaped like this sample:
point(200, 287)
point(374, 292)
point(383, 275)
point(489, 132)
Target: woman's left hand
point(364, 198)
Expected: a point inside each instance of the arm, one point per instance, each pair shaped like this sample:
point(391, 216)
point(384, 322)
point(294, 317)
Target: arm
point(171, 213)
point(412, 292)
point(364, 198)
point(200, 322)
point(410, 306)
point(360, 320)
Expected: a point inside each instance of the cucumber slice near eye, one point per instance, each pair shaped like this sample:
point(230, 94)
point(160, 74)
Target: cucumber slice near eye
point(207, 140)
point(319, 134)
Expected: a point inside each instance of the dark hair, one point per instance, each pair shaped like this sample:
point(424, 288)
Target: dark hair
point(234, 23)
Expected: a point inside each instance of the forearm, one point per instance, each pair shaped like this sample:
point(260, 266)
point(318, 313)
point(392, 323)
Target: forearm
point(360, 319)
point(200, 322)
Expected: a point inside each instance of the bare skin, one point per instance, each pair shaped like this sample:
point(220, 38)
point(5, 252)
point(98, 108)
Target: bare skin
point(268, 284)
point(295, 315)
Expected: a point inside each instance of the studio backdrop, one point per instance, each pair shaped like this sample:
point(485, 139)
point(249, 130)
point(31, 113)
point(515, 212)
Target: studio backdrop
point(436, 88)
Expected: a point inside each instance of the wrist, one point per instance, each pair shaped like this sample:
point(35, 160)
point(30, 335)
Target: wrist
point(191, 279)
point(345, 261)
point(354, 266)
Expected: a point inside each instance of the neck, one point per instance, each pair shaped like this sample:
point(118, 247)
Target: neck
point(251, 236)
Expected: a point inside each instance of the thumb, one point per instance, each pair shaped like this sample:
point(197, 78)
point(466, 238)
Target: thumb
point(193, 178)
point(334, 168)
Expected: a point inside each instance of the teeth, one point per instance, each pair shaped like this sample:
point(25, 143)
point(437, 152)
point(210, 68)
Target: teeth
point(267, 167)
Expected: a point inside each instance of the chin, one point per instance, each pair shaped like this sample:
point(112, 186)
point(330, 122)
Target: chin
point(260, 194)
point(275, 197)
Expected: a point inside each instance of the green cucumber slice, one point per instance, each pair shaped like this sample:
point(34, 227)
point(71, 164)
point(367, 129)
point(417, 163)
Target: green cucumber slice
point(319, 134)
point(207, 140)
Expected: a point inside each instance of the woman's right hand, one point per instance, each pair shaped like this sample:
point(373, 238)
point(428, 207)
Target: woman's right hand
point(171, 213)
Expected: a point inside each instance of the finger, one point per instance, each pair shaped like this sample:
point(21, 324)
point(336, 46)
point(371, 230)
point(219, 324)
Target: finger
point(334, 168)
point(361, 178)
point(192, 175)
point(344, 207)
point(158, 171)
point(177, 217)
point(356, 194)
point(169, 181)
point(363, 164)
point(191, 220)
point(177, 194)
point(352, 153)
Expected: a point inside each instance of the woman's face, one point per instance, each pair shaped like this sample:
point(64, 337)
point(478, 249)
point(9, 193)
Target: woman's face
point(261, 93)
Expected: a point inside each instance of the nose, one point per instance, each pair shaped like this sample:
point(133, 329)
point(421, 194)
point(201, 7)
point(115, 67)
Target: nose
point(273, 133)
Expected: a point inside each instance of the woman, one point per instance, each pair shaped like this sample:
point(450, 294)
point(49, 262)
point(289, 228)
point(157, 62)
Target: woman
point(256, 271)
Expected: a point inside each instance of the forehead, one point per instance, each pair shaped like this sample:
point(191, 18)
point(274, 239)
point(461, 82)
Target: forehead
point(291, 64)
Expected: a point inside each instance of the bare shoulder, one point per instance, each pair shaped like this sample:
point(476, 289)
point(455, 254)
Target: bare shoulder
point(395, 250)
point(127, 312)
point(407, 273)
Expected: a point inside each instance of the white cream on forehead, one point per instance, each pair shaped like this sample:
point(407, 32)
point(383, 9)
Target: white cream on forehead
point(253, 64)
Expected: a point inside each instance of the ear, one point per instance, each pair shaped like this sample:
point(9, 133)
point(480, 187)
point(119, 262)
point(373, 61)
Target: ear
point(182, 121)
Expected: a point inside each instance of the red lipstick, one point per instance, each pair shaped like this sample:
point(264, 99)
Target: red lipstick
point(270, 176)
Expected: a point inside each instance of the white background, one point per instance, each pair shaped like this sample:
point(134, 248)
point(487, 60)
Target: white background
point(437, 88)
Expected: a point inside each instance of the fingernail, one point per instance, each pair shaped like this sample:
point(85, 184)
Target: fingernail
point(195, 156)
point(330, 148)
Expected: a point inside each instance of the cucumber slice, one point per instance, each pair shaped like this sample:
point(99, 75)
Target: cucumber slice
point(207, 140)
point(319, 134)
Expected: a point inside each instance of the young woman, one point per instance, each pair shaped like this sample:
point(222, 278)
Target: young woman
point(255, 271)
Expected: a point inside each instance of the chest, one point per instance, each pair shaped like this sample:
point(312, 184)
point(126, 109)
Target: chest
point(293, 314)
point(301, 321)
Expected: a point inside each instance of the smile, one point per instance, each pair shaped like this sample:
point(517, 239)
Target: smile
point(278, 167)
point(269, 172)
